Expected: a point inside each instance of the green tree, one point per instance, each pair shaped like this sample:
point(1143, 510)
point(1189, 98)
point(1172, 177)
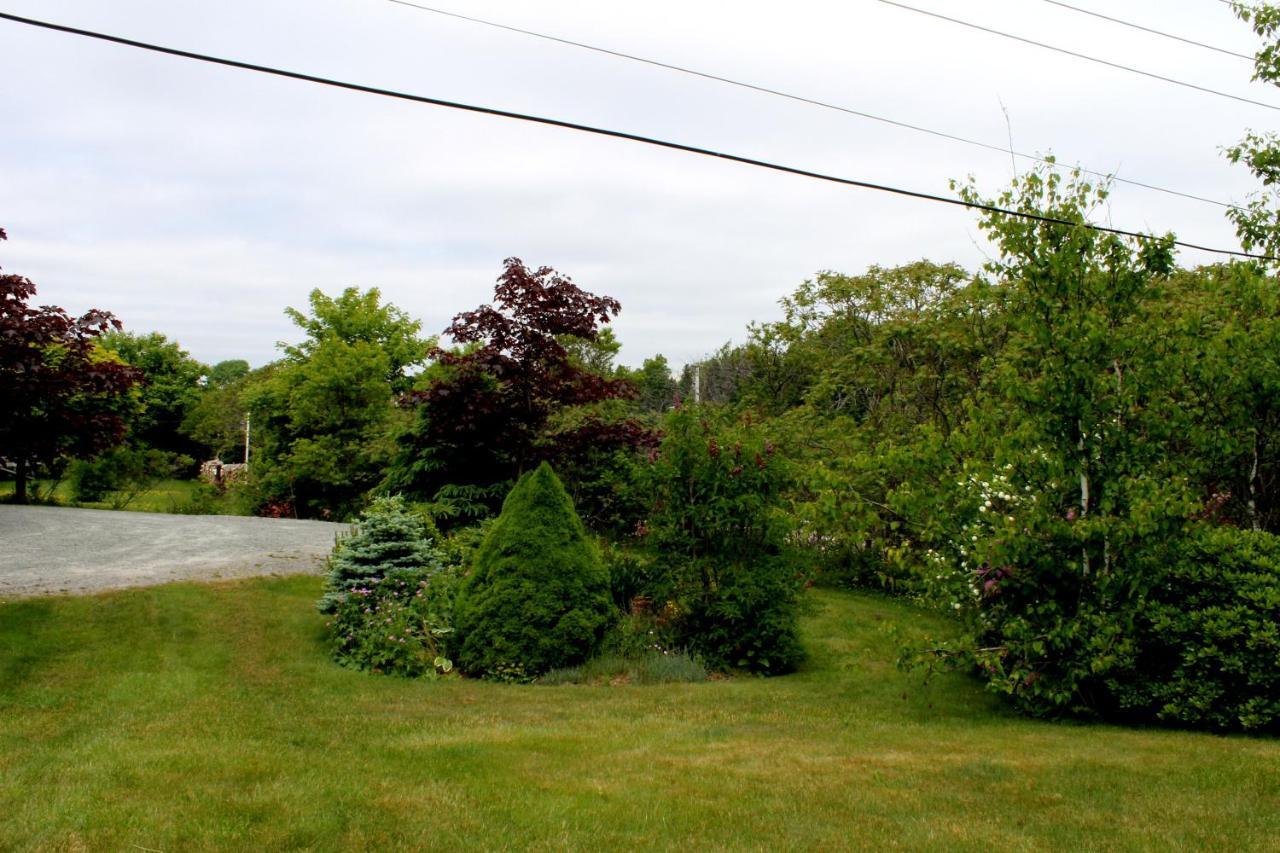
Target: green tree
point(169, 390)
point(1068, 490)
point(321, 426)
point(217, 421)
point(226, 372)
point(356, 317)
point(538, 595)
point(323, 417)
point(716, 520)
point(657, 387)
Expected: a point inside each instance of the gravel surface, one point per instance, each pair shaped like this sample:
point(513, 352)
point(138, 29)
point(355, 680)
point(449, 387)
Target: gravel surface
point(49, 550)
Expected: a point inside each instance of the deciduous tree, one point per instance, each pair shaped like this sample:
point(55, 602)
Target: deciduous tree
point(61, 395)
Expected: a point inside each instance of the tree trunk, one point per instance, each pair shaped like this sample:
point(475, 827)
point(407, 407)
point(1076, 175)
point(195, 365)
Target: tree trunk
point(1084, 493)
point(20, 482)
point(1253, 486)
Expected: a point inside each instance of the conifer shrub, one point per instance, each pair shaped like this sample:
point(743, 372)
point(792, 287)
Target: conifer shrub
point(389, 537)
point(538, 594)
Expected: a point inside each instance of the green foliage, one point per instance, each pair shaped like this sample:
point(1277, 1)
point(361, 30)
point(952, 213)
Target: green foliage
point(718, 524)
point(216, 422)
point(637, 573)
point(389, 538)
point(398, 624)
point(874, 373)
point(359, 318)
point(322, 427)
point(323, 418)
point(538, 595)
point(656, 386)
point(169, 389)
point(1205, 645)
point(119, 476)
point(748, 620)
point(226, 372)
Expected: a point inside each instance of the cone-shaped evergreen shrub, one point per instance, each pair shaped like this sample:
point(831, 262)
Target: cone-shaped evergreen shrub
point(538, 594)
point(388, 538)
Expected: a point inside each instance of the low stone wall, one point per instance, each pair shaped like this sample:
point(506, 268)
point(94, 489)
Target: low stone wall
point(218, 472)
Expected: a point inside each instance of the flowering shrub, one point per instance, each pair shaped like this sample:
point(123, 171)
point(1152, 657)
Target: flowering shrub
point(717, 522)
point(400, 624)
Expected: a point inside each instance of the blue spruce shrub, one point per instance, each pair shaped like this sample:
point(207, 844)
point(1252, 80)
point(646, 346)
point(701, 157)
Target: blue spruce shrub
point(388, 538)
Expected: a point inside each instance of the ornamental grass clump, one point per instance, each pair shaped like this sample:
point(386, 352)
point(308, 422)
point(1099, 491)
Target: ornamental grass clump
point(538, 594)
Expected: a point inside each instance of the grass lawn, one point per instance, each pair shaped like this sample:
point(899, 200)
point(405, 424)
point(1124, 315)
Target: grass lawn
point(208, 716)
point(165, 496)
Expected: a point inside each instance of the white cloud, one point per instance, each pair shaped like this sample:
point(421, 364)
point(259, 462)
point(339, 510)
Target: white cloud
point(201, 201)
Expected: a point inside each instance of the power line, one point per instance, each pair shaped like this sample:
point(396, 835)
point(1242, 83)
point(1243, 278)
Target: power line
point(1084, 56)
point(600, 131)
point(1155, 32)
point(805, 100)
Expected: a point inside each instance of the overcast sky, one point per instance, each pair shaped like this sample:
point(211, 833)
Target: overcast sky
point(200, 201)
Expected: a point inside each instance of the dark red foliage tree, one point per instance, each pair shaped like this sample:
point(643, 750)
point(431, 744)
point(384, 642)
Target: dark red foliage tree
point(489, 416)
point(56, 397)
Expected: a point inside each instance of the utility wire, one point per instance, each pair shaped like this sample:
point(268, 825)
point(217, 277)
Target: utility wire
point(1155, 32)
point(806, 100)
point(1084, 56)
point(600, 131)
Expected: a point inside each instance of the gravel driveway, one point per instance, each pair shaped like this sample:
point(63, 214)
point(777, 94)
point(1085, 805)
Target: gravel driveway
point(47, 550)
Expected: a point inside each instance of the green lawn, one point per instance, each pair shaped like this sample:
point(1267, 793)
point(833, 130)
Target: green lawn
point(165, 496)
point(208, 716)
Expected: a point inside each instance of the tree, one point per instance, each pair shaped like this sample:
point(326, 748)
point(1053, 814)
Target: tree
point(493, 408)
point(169, 389)
point(1069, 491)
point(61, 394)
point(1258, 221)
point(323, 416)
point(217, 420)
point(715, 522)
point(657, 387)
point(355, 317)
point(538, 594)
point(321, 426)
point(226, 372)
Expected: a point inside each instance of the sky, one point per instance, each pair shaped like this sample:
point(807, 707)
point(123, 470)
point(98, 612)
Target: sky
point(201, 201)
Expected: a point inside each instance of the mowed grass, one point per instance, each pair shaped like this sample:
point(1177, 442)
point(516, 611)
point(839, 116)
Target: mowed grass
point(208, 716)
point(164, 496)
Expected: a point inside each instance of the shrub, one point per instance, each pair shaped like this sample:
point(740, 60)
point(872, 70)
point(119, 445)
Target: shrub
point(120, 475)
point(636, 577)
point(1206, 644)
point(538, 595)
point(399, 624)
point(717, 522)
point(748, 621)
point(388, 538)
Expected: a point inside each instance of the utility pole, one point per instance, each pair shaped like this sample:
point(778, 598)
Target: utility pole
point(246, 441)
point(697, 382)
